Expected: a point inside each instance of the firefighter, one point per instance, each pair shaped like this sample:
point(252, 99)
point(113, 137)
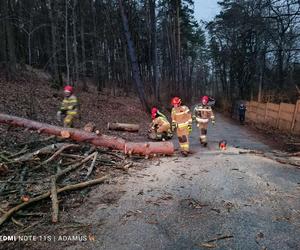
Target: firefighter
point(202, 114)
point(182, 122)
point(160, 128)
point(69, 107)
point(242, 111)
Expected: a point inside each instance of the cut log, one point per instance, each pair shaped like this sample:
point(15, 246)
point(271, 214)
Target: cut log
point(123, 127)
point(145, 148)
point(149, 148)
point(89, 127)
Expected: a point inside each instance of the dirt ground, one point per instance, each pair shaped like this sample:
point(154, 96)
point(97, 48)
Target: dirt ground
point(232, 199)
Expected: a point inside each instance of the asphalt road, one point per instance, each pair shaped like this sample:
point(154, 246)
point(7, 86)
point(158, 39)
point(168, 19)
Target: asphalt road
point(209, 200)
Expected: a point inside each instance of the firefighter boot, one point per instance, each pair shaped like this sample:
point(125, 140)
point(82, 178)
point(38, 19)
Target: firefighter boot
point(203, 138)
point(184, 144)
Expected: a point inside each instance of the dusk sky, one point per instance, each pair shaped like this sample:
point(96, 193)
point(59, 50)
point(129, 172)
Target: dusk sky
point(206, 9)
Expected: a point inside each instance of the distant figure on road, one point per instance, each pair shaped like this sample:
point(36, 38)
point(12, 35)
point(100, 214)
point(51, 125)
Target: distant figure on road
point(68, 108)
point(202, 114)
point(242, 112)
point(182, 122)
point(160, 128)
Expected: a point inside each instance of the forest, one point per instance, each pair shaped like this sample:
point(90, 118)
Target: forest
point(250, 50)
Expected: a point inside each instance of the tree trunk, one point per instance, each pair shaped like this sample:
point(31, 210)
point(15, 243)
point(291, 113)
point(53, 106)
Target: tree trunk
point(280, 70)
point(261, 78)
point(154, 50)
point(83, 54)
point(134, 62)
point(75, 41)
point(3, 55)
point(144, 148)
point(29, 48)
point(94, 40)
point(53, 40)
point(10, 39)
point(149, 148)
point(66, 42)
point(179, 71)
point(123, 127)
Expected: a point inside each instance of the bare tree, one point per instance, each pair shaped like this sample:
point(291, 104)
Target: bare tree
point(132, 54)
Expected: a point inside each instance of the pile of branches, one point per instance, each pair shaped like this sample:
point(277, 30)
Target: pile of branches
point(44, 169)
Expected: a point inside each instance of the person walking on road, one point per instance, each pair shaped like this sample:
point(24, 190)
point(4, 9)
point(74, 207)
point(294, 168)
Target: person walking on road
point(242, 113)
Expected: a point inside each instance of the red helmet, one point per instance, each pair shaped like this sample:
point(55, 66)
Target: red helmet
point(176, 101)
point(154, 112)
point(68, 88)
point(205, 99)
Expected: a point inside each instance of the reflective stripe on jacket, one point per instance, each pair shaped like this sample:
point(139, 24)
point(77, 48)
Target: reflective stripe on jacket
point(203, 113)
point(181, 116)
point(70, 105)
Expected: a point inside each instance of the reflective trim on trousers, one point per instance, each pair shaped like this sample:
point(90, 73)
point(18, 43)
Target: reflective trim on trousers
point(184, 146)
point(203, 138)
point(68, 121)
point(202, 120)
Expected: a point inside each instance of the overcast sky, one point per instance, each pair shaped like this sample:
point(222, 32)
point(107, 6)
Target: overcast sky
point(206, 9)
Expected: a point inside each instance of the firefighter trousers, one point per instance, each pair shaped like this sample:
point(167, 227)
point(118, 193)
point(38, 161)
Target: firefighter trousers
point(203, 131)
point(69, 121)
point(183, 138)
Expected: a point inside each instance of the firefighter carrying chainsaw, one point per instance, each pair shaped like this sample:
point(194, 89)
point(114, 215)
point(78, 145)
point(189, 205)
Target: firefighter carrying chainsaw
point(69, 107)
point(202, 114)
point(160, 128)
point(182, 122)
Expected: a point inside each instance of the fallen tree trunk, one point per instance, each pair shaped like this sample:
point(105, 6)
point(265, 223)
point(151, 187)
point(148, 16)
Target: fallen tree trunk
point(123, 127)
point(75, 134)
point(149, 148)
point(146, 148)
point(9, 213)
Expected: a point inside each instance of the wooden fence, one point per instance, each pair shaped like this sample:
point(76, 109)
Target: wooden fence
point(283, 116)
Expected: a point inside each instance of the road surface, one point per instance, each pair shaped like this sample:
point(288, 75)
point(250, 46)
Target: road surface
point(209, 200)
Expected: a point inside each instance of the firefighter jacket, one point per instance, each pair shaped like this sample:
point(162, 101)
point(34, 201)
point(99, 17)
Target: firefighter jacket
point(161, 124)
point(202, 113)
point(181, 117)
point(69, 106)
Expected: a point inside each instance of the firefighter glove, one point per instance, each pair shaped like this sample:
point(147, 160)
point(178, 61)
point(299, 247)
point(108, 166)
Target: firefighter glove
point(190, 128)
point(174, 126)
